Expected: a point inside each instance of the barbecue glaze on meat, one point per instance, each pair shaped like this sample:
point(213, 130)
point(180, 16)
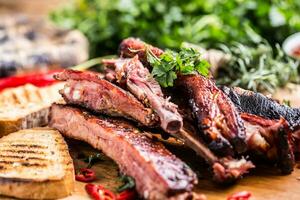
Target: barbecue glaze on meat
point(217, 118)
point(157, 172)
point(139, 82)
point(88, 90)
point(271, 139)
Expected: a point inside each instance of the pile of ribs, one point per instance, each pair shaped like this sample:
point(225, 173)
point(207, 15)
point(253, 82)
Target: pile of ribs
point(116, 110)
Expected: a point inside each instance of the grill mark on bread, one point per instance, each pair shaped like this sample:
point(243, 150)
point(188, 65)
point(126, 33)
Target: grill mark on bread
point(23, 157)
point(23, 151)
point(15, 98)
point(29, 146)
point(27, 164)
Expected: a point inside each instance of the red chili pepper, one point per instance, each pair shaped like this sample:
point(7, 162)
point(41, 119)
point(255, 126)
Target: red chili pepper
point(98, 192)
point(37, 79)
point(86, 175)
point(127, 195)
point(244, 195)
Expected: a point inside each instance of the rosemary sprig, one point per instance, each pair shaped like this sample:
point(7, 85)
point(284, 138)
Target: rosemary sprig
point(258, 68)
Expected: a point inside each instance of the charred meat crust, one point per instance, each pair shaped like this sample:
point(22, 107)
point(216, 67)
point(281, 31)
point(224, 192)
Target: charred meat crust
point(157, 172)
point(140, 83)
point(216, 116)
point(104, 97)
point(258, 104)
point(271, 138)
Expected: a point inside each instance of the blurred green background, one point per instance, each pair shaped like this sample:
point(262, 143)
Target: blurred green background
point(168, 23)
point(251, 31)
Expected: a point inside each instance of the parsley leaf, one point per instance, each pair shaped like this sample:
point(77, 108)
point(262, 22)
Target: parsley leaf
point(166, 67)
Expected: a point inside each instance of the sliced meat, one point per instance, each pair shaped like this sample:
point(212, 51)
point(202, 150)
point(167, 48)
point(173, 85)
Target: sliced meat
point(139, 82)
point(258, 104)
point(217, 118)
point(157, 172)
point(88, 90)
point(271, 139)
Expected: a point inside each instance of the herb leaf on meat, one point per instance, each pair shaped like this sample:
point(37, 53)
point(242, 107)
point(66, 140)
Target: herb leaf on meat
point(166, 67)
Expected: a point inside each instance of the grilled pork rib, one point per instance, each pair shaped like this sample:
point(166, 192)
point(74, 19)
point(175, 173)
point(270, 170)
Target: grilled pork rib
point(157, 172)
point(215, 113)
point(139, 82)
point(216, 116)
point(88, 90)
point(270, 139)
point(258, 104)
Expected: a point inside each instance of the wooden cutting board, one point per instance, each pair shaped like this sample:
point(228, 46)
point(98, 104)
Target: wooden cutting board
point(265, 182)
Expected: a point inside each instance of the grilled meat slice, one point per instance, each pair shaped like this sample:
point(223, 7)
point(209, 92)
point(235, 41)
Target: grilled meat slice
point(88, 90)
point(157, 172)
point(226, 169)
point(270, 138)
point(133, 46)
point(258, 104)
point(217, 118)
point(139, 82)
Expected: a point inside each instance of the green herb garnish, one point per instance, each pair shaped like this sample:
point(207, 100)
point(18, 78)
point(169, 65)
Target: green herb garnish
point(166, 67)
point(92, 159)
point(128, 181)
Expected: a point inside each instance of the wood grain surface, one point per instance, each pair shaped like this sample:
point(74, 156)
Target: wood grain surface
point(264, 182)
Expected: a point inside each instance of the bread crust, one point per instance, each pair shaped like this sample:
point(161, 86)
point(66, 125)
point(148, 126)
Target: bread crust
point(49, 184)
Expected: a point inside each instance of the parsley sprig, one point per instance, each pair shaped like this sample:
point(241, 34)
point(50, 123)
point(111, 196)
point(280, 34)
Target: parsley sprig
point(166, 67)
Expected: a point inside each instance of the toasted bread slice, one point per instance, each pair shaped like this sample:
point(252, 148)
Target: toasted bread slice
point(28, 93)
point(35, 164)
point(26, 107)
